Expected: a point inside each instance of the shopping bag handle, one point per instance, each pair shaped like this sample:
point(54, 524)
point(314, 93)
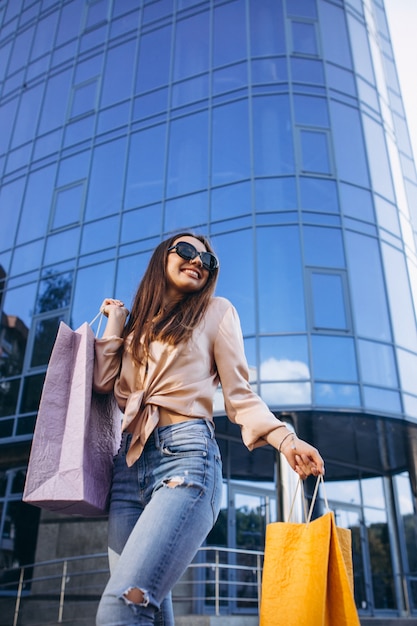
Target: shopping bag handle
point(309, 513)
point(99, 315)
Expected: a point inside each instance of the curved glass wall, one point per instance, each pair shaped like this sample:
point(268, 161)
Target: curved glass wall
point(274, 126)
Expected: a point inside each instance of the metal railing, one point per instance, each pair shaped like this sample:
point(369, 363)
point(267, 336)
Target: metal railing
point(219, 581)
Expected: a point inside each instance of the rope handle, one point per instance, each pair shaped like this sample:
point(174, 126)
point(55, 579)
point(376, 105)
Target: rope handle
point(99, 315)
point(309, 513)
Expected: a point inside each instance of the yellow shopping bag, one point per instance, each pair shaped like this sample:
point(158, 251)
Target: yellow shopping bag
point(308, 576)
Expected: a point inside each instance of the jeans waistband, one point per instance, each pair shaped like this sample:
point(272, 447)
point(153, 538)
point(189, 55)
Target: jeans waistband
point(154, 438)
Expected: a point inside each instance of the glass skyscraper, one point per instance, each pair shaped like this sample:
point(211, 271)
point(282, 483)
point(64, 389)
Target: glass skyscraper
point(277, 128)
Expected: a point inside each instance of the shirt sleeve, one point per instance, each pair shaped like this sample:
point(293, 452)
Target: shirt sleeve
point(243, 406)
point(108, 355)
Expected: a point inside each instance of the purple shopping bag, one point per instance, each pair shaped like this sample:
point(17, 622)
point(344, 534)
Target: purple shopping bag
point(77, 432)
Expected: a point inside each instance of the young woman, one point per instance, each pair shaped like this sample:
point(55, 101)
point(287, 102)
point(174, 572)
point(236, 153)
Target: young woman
point(164, 366)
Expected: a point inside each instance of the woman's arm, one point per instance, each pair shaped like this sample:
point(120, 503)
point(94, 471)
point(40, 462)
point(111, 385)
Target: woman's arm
point(108, 349)
point(116, 314)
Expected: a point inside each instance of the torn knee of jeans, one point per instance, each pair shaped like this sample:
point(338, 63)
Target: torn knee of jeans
point(134, 595)
point(175, 481)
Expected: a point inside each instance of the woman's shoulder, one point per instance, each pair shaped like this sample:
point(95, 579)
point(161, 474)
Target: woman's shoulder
point(220, 304)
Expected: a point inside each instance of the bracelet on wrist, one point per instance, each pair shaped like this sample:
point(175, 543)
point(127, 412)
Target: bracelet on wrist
point(291, 434)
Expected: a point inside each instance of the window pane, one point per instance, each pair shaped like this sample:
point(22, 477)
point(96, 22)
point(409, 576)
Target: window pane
point(367, 287)
point(280, 280)
point(284, 358)
point(323, 247)
point(145, 170)
point(382, 400)
point(377, 363)
point(267, 34)
point(329, 308)
point(54, 109)
point(54, 292)
point(356, 202)
point(351, 162)
point(315, 152)
point(231, 153)
point(92, 286)
point(191, 55)
point(118, 73)
point(84, 98)
point(106, 179)
point(187, 212)
point(360, 49)
point(62, 246)
point(303, 38)
point(37, 203)
point(334, 358)
point(331, 394)
point(275, 194)
point(334, 34)
point(140, 224)
point(378, 158)
point(318, 194)
point(231, 201)
point(407, 364)
point(27, 116)
point(45, 335)
point(311, 111)
point(68, 205)
point(10, 201)
point(229, 33)
point(153, 69)
point(32, 389)
point(9, 391)
point(307, 71)
point(277, 395)
point(188, 158)
point(272, 136)
point(100, 235)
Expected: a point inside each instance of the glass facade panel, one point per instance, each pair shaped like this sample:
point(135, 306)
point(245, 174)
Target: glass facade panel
point(348, 144)
point(378, 399)
point(273, 143)
point(229, 33)
point(191, 55)
point(280, 283)
point(106, 179)
point(231, 201)
point(153, 69)
point(323, 247)
point(231, 154)
point(145, 170)
point(68, 205)
point(335, 39)
point(334, 358)
point(378, 158)
point(356, 202)
point(331, 394)
point(311, 111)
point(188, 158)
point(275, 194)
point(377, 363)
point(318, 194)
point(303, 38)
point(36, 206)
point(284, 358)
point(314, 152)
point(367, 287)
point(329, 308)
point(267, 34)
point(118, 73)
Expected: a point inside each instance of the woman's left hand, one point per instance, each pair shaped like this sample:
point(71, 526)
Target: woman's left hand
point(302, 457)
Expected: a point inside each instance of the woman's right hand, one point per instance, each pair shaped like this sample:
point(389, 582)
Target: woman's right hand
point(110, 305)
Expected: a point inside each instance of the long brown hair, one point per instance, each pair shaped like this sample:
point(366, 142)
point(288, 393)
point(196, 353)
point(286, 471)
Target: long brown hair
point(149, 321)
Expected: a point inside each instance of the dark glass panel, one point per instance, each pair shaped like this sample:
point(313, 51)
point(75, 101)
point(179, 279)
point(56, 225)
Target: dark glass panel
point(349, 149)
point(267, 32)
point(188, 154)
point(9, 389)
point(307, 71)
point(378, 160)
point(356, 202)
point(10, 202)
point(303, 38)
point(335, 38)
point(377, 363)
point(230, 143)
point(231, 201)
point(334, 358)
point(367, 287)
point(187, 212)
point(236, 278)
point(323, 247)
point(92, 285)
point(311, 111)
point(315, 152)
point(45, 335)
point(328, 301)
point(54, 108)
point(62, 246)
point(280, 280)
point(284, 358)
point(331, 394)
point(318, 194)
point(192, 42)
point(37, 203)
point(68, 205)
point(106, 179)
point(54, 291)
point(153, 69)
point(27, 116)
point(229, 33)
point(118, 73)
point(100, 235)
point(272, 133)
point(32, 389)
point(275, 194)
point(146, 166)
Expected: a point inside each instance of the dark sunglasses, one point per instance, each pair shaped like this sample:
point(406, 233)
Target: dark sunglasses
point(188, 252)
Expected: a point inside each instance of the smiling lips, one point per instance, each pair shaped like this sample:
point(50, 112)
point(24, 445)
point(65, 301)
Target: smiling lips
point(191, 272)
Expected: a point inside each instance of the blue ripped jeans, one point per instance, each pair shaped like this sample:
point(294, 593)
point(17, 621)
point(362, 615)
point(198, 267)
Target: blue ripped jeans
point(161, 510)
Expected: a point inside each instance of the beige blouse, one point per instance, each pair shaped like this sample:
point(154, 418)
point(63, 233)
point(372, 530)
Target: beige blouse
point(184, 378)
